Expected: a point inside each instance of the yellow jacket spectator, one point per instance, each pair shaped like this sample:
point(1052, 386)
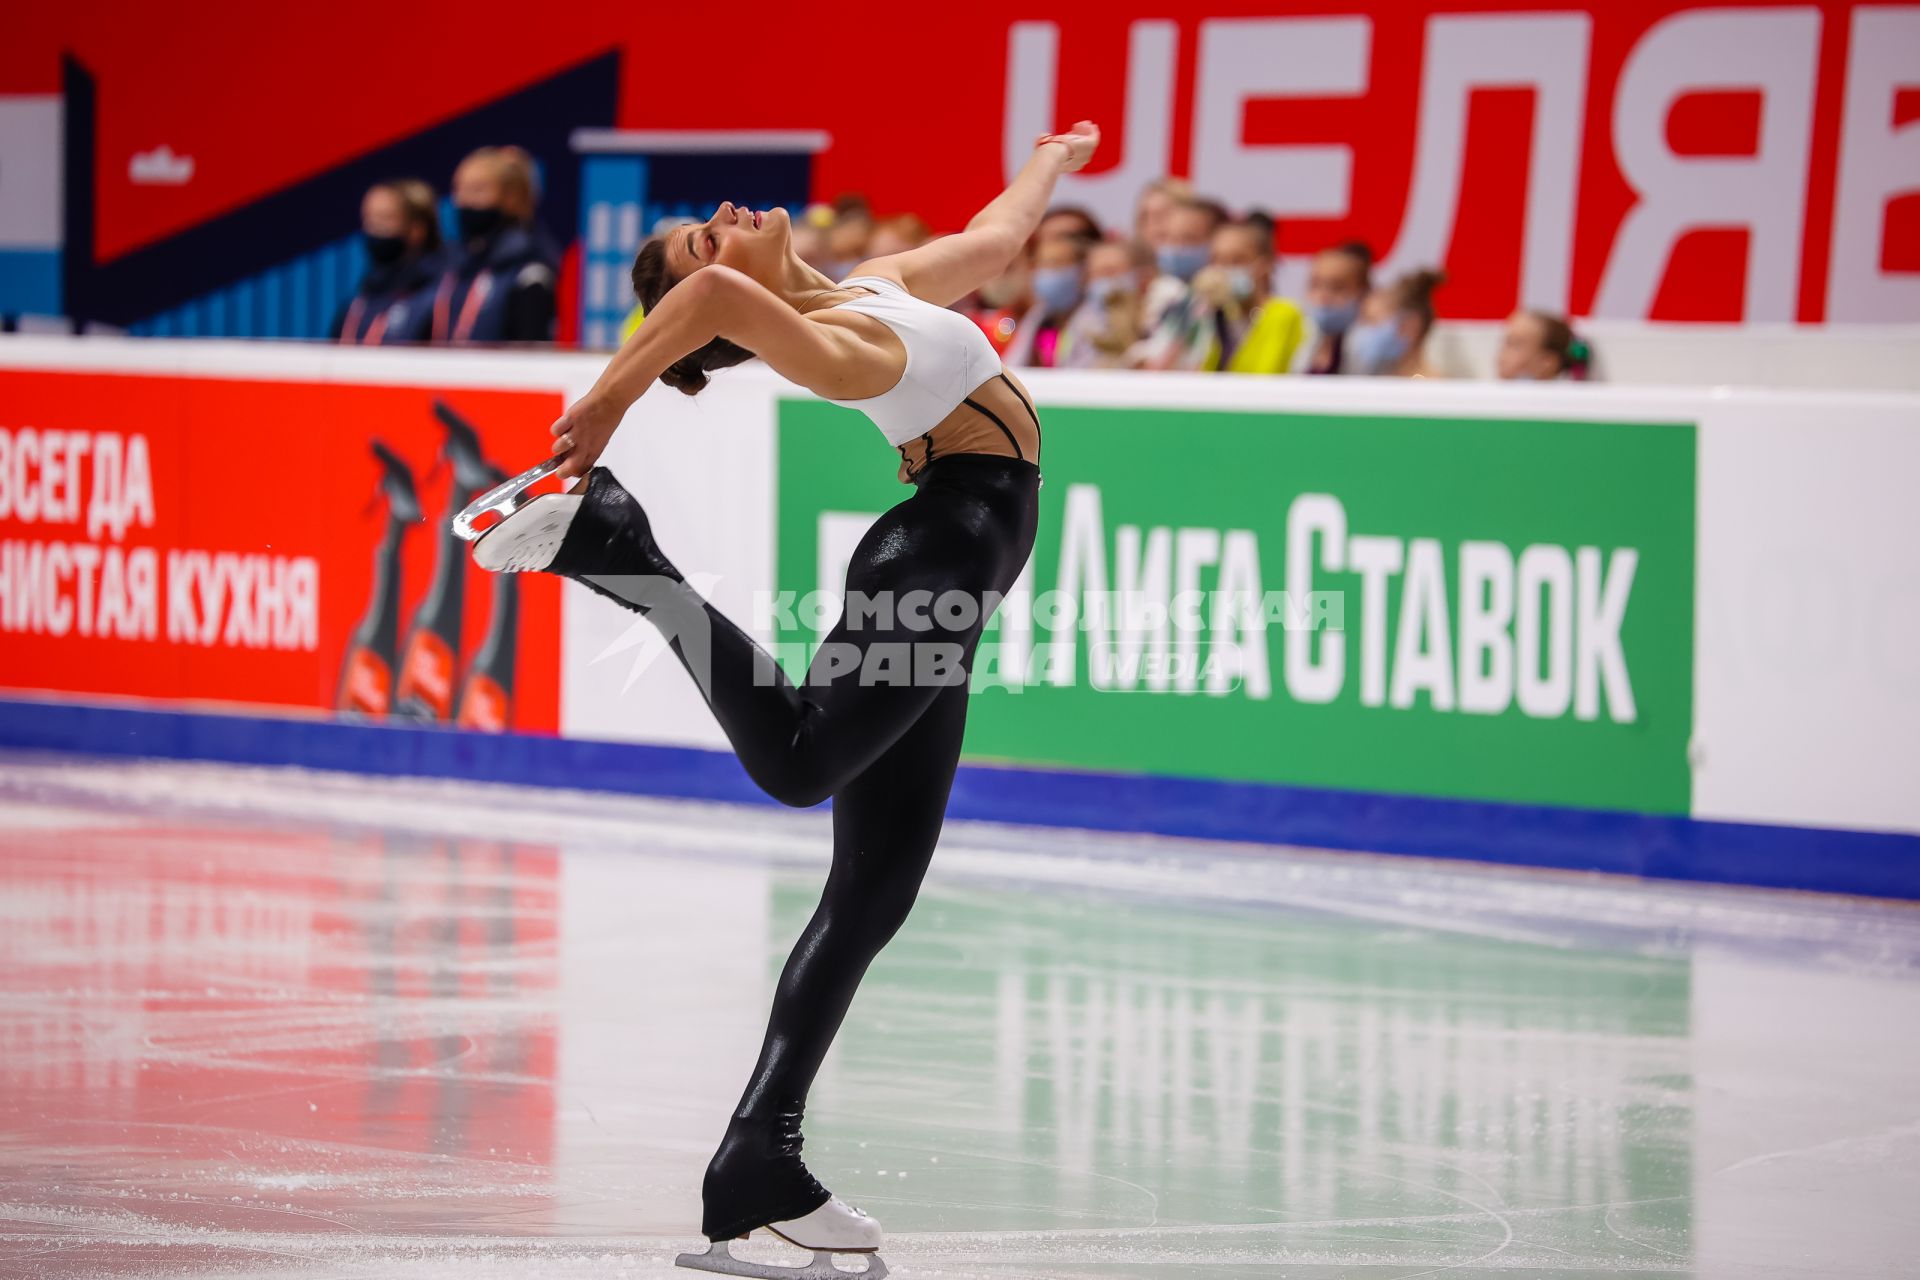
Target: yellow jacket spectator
point(1272, 340)
point(1229, 319)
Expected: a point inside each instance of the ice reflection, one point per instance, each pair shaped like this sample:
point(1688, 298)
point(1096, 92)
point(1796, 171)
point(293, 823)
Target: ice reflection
point(265, 1024)
point(222, 1016)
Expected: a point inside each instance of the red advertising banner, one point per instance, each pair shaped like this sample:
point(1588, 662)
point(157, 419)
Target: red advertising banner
point(266, 544)
point(1674, 161)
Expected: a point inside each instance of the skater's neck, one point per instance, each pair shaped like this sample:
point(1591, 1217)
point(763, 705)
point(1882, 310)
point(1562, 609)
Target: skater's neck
point(799, 284)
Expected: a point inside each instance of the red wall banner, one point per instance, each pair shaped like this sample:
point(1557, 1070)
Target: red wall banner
point(1679, 161)
point(214, 541)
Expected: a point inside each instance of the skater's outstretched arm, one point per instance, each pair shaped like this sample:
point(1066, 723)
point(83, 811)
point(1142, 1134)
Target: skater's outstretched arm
point(946, 270)
point(719, 302)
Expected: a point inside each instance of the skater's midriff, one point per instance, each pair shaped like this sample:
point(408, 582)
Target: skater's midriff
point(968, 430)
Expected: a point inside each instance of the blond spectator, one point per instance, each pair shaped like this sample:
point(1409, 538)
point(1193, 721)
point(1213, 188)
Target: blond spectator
point(500, 285)
point(1184, 249)
point(1154, 209)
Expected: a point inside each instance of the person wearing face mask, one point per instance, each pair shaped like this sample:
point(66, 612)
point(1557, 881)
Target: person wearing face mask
point(500, 287)
point(998, 305)
point(1154, 209)
point(1059, 275)
point(1389, 341)
point(1228, 319)
point(1270, 330)
point(1107, 321)
point(400, 230)
point(1539, 346)
point(1340, 281)
point(1180, 254)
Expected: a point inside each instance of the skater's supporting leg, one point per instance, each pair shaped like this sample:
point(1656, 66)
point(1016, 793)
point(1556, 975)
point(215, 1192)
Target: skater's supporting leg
point(885, 825)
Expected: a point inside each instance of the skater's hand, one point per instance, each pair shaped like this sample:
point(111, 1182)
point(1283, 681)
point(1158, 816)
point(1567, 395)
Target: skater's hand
point(581, 434)
point(1081, 142)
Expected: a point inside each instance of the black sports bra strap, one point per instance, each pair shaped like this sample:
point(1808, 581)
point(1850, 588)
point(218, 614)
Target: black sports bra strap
point(977, 407)
point(1028, 407)
point(1022, 399)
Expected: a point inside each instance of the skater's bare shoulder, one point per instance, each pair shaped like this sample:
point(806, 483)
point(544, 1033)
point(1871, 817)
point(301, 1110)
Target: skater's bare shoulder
point(837, 355)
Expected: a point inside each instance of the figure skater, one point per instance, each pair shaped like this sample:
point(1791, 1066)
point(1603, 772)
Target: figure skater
point(877, 723)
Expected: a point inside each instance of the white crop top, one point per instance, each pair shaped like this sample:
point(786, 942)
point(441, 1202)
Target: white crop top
point(947, 357)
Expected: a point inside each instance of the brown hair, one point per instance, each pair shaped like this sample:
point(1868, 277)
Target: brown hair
point(1089, 225)
point(1413, 293)
point(1361, 252)
point(1556, 337)
point(688, 374)
point(418, 208)
point(1259, 226)
point(1214, 210)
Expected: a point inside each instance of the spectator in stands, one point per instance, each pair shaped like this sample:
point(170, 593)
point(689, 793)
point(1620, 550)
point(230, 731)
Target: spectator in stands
point(1058, 284)
point(1068, 220)
point(1337, 286)
point(500, 287)
point(1108, 322)
point(1228, 319)
point(400, 228)
point(897, 235)
point(1539, 346)
point(999, 304)
point(1154, 209)
point(1264, 333)
point(848, 236)
point(1390, 338)
point(810, 236)
point(1184, 248)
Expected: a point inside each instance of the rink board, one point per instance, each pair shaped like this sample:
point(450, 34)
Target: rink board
point(1657, 632)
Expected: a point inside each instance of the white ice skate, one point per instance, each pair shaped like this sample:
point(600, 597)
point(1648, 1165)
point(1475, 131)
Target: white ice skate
point(505, 499)
point(835, 1227)
point(530, 530)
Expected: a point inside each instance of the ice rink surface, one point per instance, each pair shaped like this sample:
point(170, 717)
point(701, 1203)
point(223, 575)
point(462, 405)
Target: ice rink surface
point(281, 1024)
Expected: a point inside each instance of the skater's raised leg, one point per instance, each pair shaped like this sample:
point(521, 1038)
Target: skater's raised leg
point(874, 675)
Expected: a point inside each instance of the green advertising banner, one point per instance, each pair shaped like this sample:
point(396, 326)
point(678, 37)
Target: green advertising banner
point(1465, 608)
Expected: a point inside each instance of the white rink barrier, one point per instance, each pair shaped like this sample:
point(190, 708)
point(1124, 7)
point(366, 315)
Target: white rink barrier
point(1655, 630)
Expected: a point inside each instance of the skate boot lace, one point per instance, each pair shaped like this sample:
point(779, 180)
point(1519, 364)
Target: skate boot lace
point(786, 1147)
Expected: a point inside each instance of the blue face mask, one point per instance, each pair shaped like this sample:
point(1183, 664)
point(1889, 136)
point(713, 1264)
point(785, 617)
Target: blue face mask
point(1240, 280)
point(1057, 289)
point(1376, 348)
point(1337, 318)
point(1183, 260)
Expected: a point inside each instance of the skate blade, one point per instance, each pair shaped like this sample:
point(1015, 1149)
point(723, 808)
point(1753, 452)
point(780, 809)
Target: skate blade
point(530, 538)
point(719, 1259)
point(504, 499)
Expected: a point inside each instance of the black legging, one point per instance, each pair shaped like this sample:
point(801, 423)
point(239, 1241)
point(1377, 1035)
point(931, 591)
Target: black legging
point(884, 750)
